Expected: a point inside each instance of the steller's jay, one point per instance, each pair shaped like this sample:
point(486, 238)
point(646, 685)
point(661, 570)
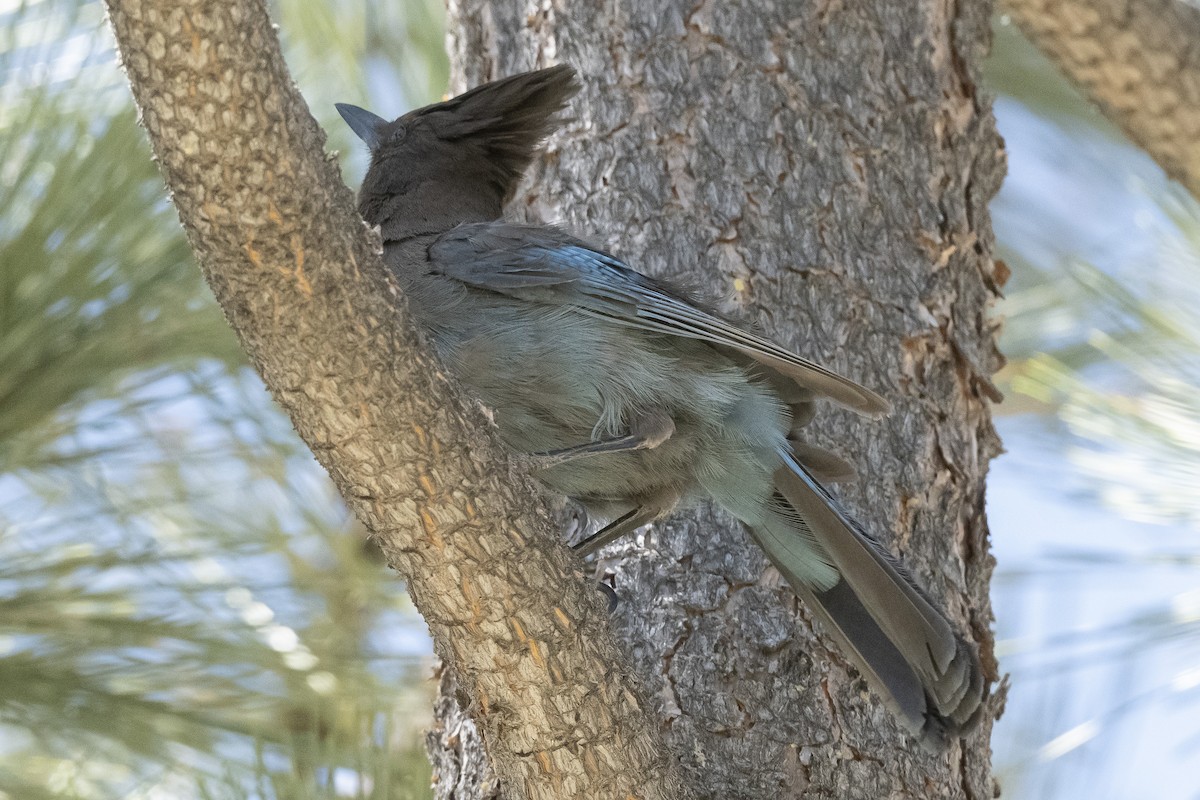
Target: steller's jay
point(630, 396)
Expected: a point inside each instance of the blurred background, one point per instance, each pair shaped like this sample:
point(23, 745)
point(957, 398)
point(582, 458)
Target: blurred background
point(187, 611)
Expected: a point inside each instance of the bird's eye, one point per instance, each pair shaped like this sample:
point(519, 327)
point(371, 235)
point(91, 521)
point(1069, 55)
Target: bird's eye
point(398, 134)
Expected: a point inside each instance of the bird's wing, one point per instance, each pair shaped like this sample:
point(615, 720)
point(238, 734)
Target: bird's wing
point(544, 265)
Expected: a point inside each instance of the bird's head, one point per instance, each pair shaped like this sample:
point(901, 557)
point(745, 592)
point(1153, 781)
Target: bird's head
point(459, 160)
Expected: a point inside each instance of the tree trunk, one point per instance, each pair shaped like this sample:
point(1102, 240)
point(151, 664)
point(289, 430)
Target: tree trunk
point(1137, 60)
point(302, 284)
point(826, 168)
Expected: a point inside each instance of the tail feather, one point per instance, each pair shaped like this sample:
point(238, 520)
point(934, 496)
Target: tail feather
point(926, 673)
point(869, 649)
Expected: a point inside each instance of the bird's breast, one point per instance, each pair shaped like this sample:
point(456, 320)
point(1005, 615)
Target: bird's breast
point(557, 377)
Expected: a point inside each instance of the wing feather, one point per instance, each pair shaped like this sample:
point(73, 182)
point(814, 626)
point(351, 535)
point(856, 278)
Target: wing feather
point(543, 264)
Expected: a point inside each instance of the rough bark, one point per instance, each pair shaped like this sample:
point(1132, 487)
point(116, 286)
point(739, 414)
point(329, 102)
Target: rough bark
point(826, 167)
point(300, 281)
point(1137, 60)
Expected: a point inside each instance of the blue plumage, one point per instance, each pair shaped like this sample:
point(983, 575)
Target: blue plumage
point(633, 398)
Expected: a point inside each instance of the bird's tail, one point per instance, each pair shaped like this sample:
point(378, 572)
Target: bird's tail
point(925, 672)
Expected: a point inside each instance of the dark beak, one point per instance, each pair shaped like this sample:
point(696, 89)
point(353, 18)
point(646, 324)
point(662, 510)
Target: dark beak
point(362, 122)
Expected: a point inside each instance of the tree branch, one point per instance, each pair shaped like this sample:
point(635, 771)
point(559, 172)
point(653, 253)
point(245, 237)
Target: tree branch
point(1138, 60)
point(301, 282)
point(826, 169)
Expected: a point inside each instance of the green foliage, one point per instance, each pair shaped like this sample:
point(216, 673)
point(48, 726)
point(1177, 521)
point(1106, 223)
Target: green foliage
point(1110, 351)
point(1103, 339)
point(1125, 386)
point(186, 609)
point(1018, 69)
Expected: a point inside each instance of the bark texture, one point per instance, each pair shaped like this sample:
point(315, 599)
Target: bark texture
point(826, 167)
point(1138, 60)
point(300, 280)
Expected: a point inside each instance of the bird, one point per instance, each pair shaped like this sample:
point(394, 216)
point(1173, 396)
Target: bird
point(635, 398)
